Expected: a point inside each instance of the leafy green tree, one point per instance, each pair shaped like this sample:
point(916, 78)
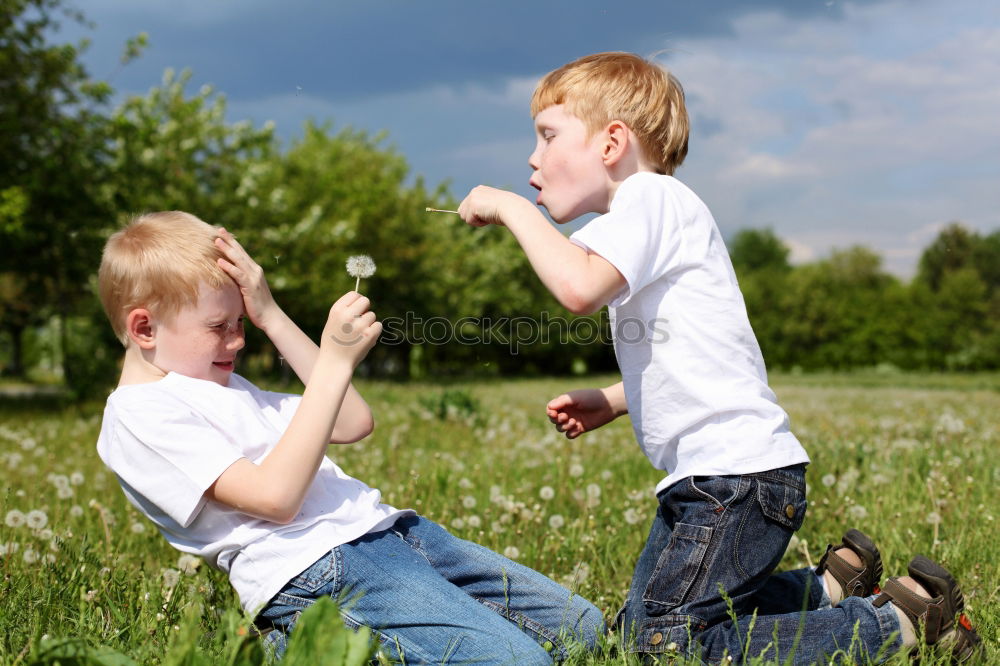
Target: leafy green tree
point(953, 249)
point(53, 142)
point(753, 250)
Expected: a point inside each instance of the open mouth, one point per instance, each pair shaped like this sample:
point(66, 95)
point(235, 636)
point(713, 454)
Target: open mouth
point(224, 365)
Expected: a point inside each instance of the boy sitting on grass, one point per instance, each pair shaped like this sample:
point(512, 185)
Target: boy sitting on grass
point(611, 129)
point(240, 477)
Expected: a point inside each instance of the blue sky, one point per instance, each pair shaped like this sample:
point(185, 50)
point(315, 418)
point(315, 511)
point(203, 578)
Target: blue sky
point(834, 123)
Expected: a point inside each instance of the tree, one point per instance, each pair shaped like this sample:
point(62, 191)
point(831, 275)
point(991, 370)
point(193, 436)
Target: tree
point(753, 250)
point(953, 249)
point(54, 157)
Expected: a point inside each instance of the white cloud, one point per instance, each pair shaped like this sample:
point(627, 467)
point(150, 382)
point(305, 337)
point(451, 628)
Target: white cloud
point(872, 130)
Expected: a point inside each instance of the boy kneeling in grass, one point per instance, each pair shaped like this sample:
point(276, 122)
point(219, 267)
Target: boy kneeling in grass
point(611, 129)
point(240, 476)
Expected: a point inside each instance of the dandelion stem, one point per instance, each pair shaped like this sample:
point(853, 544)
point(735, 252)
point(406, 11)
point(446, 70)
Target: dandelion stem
point(357, 283)
point(440, 210)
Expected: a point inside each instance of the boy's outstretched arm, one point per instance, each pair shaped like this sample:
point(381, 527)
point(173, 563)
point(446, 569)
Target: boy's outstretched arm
point(581, 281)
point(583, 410)
point(275, 488)
point(355, 420)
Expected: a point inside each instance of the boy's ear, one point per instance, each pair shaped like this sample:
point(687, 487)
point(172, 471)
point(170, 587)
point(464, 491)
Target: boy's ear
point(139, 328)
point(617, 138)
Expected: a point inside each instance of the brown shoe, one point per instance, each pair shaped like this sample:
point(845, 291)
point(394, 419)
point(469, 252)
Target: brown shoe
point(939, 616)
point(854, 581)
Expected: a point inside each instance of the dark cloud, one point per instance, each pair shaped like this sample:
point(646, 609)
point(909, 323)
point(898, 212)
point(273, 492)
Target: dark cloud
point(347, 51)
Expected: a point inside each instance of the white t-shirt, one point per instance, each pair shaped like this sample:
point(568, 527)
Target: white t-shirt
point(694, 377)
point(169, 440)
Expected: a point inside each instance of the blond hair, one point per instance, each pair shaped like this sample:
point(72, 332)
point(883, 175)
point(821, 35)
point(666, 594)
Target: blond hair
point(158, 262)
point(604, 87)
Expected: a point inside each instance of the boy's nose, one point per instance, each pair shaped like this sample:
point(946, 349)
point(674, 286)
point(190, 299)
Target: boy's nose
point(236, 341)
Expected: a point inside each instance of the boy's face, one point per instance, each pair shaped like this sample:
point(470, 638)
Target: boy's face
point(569, 172)
point(201, 341)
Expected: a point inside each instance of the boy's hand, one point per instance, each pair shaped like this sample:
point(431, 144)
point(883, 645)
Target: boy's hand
point(488, 205)
point(351, 329)
point(257, 299)
point(581, 411)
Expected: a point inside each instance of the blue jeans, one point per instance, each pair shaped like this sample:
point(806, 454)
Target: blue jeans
point(433, 598)
point(726, 534)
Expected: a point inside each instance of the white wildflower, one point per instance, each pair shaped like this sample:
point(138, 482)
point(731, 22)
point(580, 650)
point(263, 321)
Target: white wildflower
point(593, 490)
point(469, 502)
point(511, 552)
point(14, 518)
point(934, 518)
point(829, 480)
point(576, 469)
point(188, 564)
point(857, 512)
point(30, 555)
point(632, 516)
point(137, 528)
point(64, 492)
point(76, 511)
point(474, 522)
point(36, 519)
point(546, 492)
point(170, 578)
point(556, 521)
point(76, 478)
point(457, 523)
point(360, 266)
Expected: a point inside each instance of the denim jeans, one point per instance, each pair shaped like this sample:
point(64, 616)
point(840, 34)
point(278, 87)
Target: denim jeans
point(726, 534)
point(433, 598)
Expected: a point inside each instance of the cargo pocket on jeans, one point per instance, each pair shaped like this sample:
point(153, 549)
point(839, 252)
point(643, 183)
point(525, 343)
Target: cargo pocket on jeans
point(677, 568)
point(784, 503)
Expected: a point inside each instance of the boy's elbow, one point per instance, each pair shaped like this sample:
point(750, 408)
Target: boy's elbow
point(579, 302)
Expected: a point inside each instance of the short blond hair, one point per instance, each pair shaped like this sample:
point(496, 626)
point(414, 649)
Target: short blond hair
point(604, 87)
point(158, 261)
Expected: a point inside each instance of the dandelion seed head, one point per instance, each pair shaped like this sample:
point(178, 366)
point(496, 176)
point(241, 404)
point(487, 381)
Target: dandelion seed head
point(36, 519)
point(360, 266)
point(857, 512)
point(576, 469)
point(511, 552)
point(457, 523)
point(138, 528)
point(469, 502)
point(76, 511)
point(188, 564)
point(556, 521)
point(546, 492)
point(828, 480)
point(632, 516)
point(474, 521)
point(170, 578)
point(934, 518)
point(14, 518)
point(30, 555)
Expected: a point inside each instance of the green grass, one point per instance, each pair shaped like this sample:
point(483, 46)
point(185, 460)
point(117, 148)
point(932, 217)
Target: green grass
point(911, 459)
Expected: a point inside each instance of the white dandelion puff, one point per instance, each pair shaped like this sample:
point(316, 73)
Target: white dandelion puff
point(360, 266)
point(829, 480)
point(138, 528)
point(170, 578)
point(934, 518)
point(14, 518)
point(556, 521)
point(469, 502)
point(632, 516)
point(36, 519)
point(576, 469)
point(30, 555)
point(511, 552)
point(546, 493)
point(474, 522)
point(188, 564)
point(457, 523)
point(76, 511)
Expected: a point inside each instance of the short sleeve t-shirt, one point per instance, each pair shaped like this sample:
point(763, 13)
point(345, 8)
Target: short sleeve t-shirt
point(693, 374)
point(169, 440)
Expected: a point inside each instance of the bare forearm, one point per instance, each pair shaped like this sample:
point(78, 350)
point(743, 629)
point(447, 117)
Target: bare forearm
point(289, 469)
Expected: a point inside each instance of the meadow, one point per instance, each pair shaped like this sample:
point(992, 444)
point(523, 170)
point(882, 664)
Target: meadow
point(910, 459)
